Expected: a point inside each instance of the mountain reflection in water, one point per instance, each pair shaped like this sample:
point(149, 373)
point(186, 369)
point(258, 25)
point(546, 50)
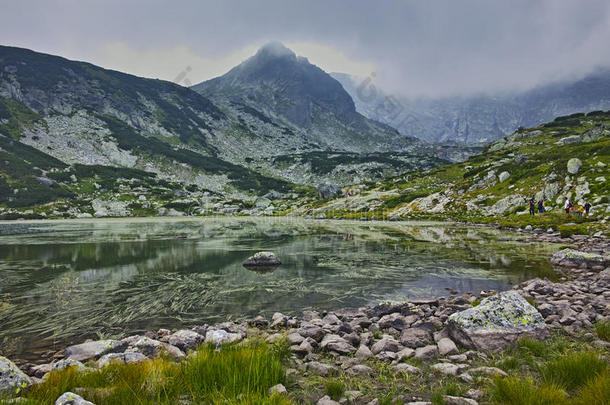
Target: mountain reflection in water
point(67, 281)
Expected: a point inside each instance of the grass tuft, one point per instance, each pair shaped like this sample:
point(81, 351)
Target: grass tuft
point(573, 370)
point(232, 372)
point(235, 374)
point(523, 391)
point(603, 329)
point(335, 389)
point(596, 391)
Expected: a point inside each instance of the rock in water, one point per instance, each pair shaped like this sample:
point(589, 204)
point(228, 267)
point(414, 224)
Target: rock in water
point(263, 259)
point(12, 379)
point(496, 322)
point(328, 191)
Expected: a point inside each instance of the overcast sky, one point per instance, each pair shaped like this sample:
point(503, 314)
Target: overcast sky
point(417, 47)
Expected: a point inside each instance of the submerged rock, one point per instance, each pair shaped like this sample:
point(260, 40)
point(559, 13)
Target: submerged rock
point(262, 259)
point(496, 322)
point(12, 379)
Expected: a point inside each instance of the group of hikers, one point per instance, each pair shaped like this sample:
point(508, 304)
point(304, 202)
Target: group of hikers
point(533, 205)
point(568, 206)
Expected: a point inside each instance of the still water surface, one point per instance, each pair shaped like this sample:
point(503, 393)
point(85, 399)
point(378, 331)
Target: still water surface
point(63, 282)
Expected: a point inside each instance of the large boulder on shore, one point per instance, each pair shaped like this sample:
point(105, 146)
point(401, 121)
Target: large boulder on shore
point(328, 191)
point(262, 259)
point(12, 379)
point(575, 258)
point(497, 322)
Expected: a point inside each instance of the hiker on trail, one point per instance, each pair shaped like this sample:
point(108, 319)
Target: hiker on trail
point(541, 208)
point(567, 206)
point(580, 210)
point(532, 207)
point(587, 207)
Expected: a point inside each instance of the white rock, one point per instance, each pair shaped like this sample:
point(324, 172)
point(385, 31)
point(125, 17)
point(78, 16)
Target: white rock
point(70, 398)
point(574, 165)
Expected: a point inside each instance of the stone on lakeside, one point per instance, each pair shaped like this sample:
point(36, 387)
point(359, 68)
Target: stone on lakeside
point(321, 369)
point(360, 369)
point(12, 379)
point(451, 400)
point(446, 346)
point(497, 322)
point(415, 337)
point(575, 258)
point(185, 339)
point(221, 336)
point(65, 363)
point(386, 344)
point(446, 368)
point(426, 352)
point(124, 358)
point(95, 349)
point(405, 368)
point(151, 347)
point(278, 389)
point(363, 353)
point(70, 398)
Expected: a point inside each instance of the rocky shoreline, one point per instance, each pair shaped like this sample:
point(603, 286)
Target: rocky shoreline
point(449, 335)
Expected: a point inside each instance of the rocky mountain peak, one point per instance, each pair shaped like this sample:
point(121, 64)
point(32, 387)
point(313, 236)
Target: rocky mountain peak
point(275, 49)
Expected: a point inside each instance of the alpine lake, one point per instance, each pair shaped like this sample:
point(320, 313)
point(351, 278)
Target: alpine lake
point(62, 282)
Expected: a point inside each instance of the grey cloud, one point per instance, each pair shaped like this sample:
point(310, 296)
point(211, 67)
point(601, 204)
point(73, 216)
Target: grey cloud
point(419, 47)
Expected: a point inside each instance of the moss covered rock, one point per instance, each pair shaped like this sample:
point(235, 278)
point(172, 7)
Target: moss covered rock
point(12, 379)
point(496, 323)
point(575, 258)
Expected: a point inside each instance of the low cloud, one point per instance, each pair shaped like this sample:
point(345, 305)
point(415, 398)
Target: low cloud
point(417, 48)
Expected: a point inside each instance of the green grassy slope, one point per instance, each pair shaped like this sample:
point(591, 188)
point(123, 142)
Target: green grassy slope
point(535, 159)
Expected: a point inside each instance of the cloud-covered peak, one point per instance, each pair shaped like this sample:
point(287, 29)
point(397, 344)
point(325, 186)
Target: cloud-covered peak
point(275, 49)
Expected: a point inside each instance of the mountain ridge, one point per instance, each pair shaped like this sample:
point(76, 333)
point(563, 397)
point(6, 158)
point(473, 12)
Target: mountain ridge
point(482, 118)
point(294, 90)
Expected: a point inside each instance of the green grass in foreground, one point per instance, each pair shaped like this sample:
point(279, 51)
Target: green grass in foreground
point(551, 372)
point(603, 329)
point(236, 374)
point(560, 370)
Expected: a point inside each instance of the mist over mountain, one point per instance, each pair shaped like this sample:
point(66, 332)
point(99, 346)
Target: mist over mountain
point(287, 88)
point(480, 118)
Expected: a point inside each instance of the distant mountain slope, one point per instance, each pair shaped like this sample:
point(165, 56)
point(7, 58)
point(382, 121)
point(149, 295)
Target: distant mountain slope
point(275, 105)
point(568, 158)
point(483, 118)
point(77, 139)
point(281, 86)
